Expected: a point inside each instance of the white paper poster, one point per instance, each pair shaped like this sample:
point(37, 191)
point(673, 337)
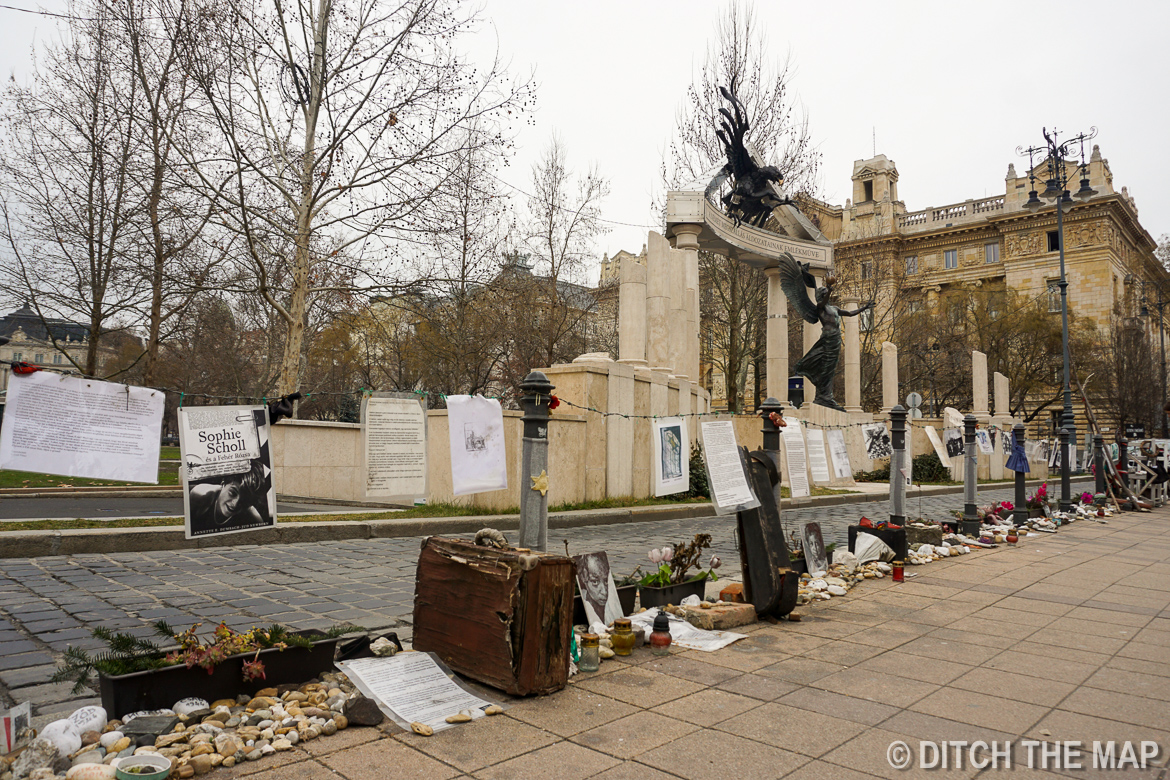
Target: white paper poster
point(877, 441)
point(475, 426)
point(797, 463)
point(939, 449)
point(671, 460)
point(413, 688)
point(840, 454)
point(729, 486)
point(58, 424)
point(394, 432)
point(226, 469)
point(818, 459)
point(983, 441)
point(1005, 443)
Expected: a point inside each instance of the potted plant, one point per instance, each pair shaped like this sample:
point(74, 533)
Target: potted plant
point(669, 584)
point(1037, 501)
point(137, 674)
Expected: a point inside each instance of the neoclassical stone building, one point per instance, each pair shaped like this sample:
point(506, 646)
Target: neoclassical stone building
point(31, 340)
point(922, 259)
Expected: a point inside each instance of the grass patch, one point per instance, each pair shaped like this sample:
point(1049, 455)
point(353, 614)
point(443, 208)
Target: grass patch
point(168, 474)
point(168, 453)
point(816, 491)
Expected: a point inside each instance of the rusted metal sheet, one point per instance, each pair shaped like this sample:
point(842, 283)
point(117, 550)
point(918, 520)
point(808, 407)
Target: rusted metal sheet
point(769, 583)
point(502, 617)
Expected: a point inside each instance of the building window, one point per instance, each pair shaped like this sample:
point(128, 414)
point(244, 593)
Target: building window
point(991, 252)
point(40, 357)
point(57, 359)
point(995, 305)
point(866, 269)
point(865, 320)
point(16, 356)
point(1054, 295)
point(914, 305)
point(869, 190)
point(951, 259)
point(912, 264)
point(1053, 241)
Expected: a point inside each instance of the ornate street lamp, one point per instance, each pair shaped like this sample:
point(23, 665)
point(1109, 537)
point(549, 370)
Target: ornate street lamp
point(1056, 189)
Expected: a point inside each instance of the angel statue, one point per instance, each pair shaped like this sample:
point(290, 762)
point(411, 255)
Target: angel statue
point(819, 365)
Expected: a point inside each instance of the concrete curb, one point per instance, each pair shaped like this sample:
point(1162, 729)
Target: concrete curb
point(35, 544)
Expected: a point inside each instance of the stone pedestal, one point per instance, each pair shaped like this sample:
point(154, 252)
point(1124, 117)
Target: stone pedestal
point(852, 349)
point(889, 377)
point(777, 338)
point(979, 386)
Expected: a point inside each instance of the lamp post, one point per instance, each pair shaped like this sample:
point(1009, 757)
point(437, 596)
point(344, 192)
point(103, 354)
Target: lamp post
point(1056, 189)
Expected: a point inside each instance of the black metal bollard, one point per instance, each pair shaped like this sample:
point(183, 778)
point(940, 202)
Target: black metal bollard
point(1065, 469)
point(771, 433)
point(534, 462)
point(1021, 512)
point(897, 464)
point(971, 523)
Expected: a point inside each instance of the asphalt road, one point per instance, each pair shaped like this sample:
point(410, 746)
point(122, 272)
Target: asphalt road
point(17, 508)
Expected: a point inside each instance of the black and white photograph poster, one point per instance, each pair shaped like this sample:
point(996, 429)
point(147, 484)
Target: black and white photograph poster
point(983, 441)
point(226, 469)
point(954, 439)
point(671, 456)
point(877, 441)
point(598, 590)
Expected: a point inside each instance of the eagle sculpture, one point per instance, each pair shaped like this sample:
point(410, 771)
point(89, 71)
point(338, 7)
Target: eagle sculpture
point(752, 196)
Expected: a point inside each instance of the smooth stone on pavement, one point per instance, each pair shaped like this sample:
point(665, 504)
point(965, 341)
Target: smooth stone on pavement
point(719, 617)
point(363, 711)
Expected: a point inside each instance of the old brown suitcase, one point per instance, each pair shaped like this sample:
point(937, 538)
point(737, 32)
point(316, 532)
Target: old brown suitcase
point(502, 617)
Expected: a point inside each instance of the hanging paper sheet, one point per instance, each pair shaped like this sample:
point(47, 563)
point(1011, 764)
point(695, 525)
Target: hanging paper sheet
point(939, 449)
point(730, 491)
point(797, 463)
point(476, 430)
point(671, 459)
point(818, 459)
point(394, 432)
point(226, 469)
point(74, 427)
point(840, 454)
point(983, 441)
point(877, 441)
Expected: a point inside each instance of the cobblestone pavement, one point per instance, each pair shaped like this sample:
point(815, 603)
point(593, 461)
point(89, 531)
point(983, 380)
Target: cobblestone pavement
point(47, 604)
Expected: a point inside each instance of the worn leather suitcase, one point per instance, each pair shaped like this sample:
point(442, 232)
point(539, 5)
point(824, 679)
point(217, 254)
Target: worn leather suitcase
point(501, 617)
point(769, 582)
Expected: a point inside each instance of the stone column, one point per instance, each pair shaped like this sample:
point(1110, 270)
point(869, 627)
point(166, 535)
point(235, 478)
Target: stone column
point(979, 385)
point(658, 286)
point(632, 313)
point(889, 377)
point(852, 348)
point(686, 238)
point(678, 344)
point(777, 335)
point(1000, 390)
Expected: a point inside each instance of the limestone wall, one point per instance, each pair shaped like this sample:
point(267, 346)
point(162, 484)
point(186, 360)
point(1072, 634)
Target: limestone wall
point(325, 460)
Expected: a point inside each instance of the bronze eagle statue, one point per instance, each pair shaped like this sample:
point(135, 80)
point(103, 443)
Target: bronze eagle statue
point(751, 198)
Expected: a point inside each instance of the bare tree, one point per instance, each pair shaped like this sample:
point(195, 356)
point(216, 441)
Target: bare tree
point(340, 121)
point(70, 200)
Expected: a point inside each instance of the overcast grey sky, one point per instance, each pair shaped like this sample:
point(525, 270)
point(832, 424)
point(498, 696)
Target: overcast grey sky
point(950, 89)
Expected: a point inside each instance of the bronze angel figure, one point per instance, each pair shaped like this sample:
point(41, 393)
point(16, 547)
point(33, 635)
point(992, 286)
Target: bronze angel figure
point(751, 198)
point(819, 365)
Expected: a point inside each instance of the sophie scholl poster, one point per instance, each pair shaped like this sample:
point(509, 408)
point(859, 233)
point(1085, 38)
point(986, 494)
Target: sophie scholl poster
point(226, 469)
point(672, 457)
